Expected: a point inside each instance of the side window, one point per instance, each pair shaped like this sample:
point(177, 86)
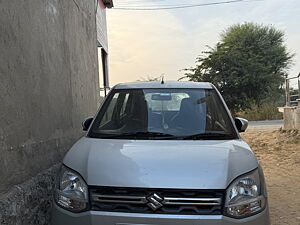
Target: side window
point(172, 105)
point(110, 110)
point(124, 105)
point(219, 117)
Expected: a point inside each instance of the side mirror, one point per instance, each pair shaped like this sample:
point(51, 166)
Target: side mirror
point(241, 124)
point(86, 123)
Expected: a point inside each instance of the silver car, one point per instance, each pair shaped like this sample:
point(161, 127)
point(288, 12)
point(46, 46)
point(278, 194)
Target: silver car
point(161, 154)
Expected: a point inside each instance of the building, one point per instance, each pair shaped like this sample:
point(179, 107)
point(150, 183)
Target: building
point(102, 42)
point(49, 82)
point(291, 111)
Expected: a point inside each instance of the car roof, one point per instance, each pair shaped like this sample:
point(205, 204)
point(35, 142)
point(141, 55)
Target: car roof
point(166, 84)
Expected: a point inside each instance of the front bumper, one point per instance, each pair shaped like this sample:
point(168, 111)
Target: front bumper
point(63, 217)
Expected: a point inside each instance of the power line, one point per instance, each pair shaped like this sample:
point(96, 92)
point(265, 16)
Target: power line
point(184, 6)
point(133, 2)
point(152, 3)
point(139, 1)
point(149, 6)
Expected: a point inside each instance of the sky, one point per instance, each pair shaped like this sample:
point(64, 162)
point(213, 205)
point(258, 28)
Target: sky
point(153, 43)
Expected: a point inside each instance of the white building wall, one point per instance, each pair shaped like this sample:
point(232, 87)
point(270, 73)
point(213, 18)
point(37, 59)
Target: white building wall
point(103, 45)
point(102, 26)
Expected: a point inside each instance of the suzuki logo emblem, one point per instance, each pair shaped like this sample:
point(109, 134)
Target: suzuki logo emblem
point(154, 202)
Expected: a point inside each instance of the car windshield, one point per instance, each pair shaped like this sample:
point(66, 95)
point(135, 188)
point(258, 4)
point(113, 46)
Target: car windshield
point(163, 114)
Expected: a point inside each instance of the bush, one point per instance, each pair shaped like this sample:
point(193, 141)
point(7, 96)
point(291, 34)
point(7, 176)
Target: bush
point(264, 112)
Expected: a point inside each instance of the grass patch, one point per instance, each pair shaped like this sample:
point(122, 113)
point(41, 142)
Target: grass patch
point(264, 112)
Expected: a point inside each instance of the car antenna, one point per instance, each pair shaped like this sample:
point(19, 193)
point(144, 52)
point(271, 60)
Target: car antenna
point(162, 79)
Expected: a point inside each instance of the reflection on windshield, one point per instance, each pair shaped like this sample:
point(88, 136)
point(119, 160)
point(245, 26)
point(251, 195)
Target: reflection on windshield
point(163, 114)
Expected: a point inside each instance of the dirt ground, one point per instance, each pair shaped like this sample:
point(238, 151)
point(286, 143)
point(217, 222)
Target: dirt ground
point(279, 155)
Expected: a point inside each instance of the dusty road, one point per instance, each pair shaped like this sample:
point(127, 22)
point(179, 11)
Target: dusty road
point(265, 125)
point(279, 155)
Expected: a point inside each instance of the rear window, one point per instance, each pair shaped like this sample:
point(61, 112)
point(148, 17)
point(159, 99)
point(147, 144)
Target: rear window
point(175, 112)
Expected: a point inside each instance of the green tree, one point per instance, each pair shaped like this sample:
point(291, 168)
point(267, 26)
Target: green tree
point(248, 65)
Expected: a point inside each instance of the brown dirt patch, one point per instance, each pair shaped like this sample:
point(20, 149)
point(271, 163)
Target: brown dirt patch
point(279, 155)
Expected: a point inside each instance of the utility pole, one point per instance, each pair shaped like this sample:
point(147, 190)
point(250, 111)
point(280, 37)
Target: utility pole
point(287, 92)
point(299, 86)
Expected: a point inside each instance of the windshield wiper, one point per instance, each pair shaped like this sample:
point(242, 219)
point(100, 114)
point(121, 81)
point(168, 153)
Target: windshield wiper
point(140, 134)
point(209, 136)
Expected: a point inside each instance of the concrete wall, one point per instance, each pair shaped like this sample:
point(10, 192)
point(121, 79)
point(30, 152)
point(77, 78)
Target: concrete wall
point(48, 83)
point(291, 116)
point(29, 202)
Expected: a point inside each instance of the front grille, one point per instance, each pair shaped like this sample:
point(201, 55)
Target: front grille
point(158, 201)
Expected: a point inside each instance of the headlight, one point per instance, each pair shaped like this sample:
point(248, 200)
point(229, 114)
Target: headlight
point(71, 191)
point(246, 196)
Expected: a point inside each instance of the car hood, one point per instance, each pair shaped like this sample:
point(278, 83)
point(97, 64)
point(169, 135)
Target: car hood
point(160, 163)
